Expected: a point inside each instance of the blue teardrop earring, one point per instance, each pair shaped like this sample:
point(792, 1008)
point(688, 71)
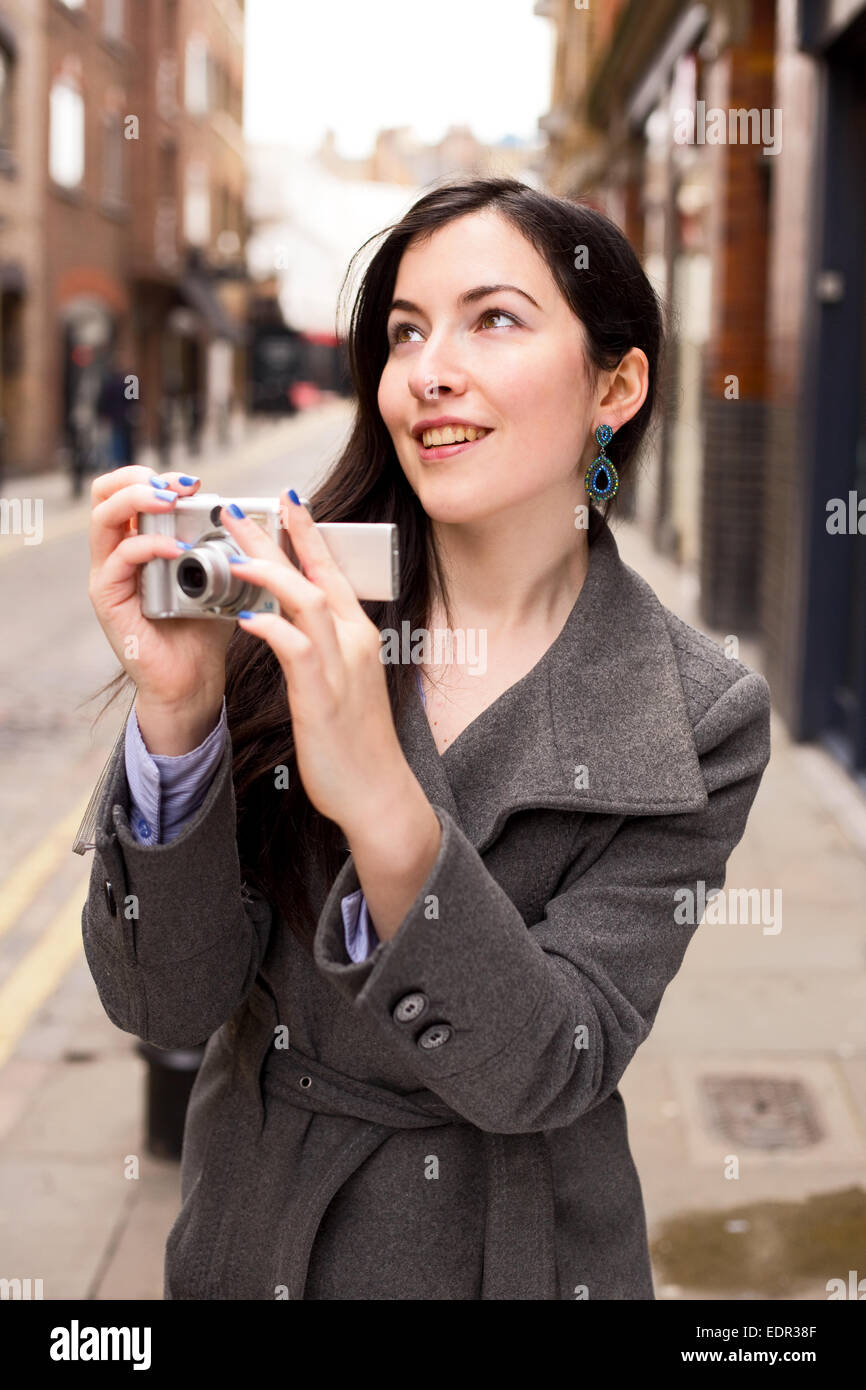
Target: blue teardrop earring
point(602, 480)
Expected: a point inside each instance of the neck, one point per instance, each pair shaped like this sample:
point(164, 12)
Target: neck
point(520, 569)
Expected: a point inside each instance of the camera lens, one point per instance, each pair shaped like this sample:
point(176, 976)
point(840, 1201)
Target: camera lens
point(191, 576)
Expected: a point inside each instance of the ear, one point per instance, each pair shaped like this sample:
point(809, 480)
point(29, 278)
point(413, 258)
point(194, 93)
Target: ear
point(627, 388)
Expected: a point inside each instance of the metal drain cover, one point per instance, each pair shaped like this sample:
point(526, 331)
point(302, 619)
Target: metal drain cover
point(761, 1112)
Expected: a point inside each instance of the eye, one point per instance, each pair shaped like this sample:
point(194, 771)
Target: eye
point(497, 314)
point(396, 329)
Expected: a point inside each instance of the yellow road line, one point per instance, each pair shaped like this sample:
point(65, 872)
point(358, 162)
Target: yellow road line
point(37, 976)
point(23, 884)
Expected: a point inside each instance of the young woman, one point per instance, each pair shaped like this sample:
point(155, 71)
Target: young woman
point(425, 911)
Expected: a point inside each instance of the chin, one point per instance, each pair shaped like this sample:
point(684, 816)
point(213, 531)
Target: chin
point(453, 509)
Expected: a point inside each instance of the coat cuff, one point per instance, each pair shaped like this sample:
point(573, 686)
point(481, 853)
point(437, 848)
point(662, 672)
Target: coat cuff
point(172, 935)
point(443, 988)
point(200, 867)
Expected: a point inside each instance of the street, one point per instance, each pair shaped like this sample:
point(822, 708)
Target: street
point(86, 1210)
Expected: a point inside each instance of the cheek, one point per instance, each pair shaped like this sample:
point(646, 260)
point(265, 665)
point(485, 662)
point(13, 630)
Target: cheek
point(394, 400)
point(391, 398)
point(544, 394)
point(383, 397)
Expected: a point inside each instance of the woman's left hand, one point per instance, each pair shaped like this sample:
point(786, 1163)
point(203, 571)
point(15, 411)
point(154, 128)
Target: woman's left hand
point(348, 754)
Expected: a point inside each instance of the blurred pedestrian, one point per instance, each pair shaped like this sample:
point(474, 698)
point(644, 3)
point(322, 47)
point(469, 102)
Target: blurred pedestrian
point(119, 410)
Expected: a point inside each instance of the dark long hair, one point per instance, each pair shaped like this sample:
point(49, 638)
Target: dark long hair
point(278, 830)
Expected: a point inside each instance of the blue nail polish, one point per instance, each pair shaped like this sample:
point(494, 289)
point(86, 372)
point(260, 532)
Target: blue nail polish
point(155, 481)
point(183, 545)
point(239, 559)
point(186, 479)
point(235, 510)
point(245, 613)
point(294, 496)
point(165, 493)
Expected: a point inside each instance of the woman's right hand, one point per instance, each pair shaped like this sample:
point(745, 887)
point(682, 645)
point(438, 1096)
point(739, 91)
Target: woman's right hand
point(177, 664)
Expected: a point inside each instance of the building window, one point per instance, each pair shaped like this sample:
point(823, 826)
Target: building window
point(169, 21)
point(113, 19)
point(112, 157)
point(215, 80)
point(196, 75)
point(66, 138)
point(168, 170)
point(196, 207)
point(7, 68)
point(165, 233)
point(166, 86)
point(166, 211)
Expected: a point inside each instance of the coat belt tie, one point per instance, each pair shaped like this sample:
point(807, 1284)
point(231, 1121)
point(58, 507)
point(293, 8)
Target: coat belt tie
point(520, 1248)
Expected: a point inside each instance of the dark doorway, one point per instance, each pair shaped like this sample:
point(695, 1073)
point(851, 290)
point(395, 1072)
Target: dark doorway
point(834, 668)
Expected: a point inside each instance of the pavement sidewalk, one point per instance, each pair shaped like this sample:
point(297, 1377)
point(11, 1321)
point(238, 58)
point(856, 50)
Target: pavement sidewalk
point(78, 1212)
point(749, 1007)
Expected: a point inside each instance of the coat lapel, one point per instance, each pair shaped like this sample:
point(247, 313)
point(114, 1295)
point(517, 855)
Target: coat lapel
point(605, 697)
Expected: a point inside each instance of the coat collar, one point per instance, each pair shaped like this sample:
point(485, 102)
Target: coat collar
point(606, 695)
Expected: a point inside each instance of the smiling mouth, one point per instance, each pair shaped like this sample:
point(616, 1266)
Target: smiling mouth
point(449, 440)
point(452, 434)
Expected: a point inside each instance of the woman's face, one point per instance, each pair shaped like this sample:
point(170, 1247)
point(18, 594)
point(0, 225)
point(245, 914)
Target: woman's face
point(508, 360)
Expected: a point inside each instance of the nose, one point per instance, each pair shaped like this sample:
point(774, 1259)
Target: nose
point(437, 370)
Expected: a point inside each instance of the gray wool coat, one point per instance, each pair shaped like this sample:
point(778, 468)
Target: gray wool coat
point(445, 1121)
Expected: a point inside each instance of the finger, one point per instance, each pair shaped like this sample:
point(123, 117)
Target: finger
point(181, 482)
point(320, 567)
point(296, 654)
point(119, 575)
point(109, 519)
point(304, 603)
point(252, 538)
point(108, 483)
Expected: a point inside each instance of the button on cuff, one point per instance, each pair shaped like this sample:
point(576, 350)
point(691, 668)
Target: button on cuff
point(434, 1036)
point(410, 1007)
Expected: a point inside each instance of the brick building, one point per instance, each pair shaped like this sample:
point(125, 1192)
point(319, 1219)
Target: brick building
point(122, 197)
point(23, 118)
point(189, 234)
point(728, 139)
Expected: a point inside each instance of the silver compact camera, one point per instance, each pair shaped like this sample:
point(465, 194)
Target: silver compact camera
point(201, 583)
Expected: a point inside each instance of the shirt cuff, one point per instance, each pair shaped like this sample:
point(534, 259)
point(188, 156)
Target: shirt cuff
point(166, 791)
point(360, 934)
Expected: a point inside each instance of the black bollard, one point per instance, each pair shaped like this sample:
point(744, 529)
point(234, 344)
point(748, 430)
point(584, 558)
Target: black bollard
point(170, 1076)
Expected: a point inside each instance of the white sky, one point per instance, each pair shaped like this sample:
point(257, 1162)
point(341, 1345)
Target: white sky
point(362, 65)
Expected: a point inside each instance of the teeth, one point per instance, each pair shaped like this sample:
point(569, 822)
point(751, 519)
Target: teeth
point(451, 434)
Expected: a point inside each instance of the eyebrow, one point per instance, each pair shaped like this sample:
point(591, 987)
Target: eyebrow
point(480, 292)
